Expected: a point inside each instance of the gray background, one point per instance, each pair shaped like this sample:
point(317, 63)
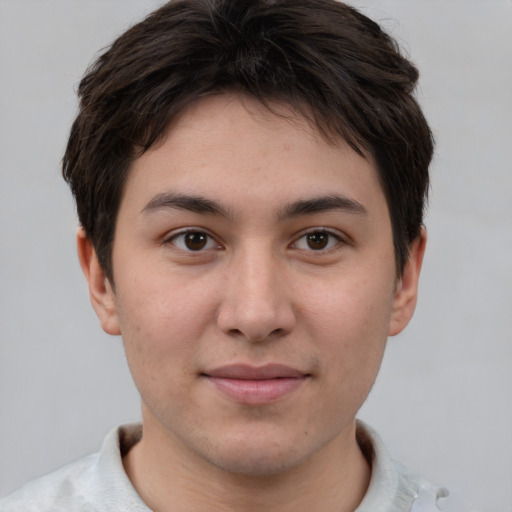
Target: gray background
point(443, 399)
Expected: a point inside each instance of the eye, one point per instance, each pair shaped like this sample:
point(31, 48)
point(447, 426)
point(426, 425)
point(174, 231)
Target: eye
point(318, 240)
point(193, 240)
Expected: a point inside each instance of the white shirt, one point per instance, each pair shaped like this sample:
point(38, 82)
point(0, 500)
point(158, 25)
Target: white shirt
point(98, 483)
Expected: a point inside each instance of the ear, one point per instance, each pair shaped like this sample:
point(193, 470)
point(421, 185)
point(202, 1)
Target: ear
point(101, 292)
point(406, 294)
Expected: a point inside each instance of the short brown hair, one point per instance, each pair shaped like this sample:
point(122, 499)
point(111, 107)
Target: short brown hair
point(324, 58)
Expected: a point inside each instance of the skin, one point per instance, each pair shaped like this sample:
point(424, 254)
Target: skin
point(254, 290)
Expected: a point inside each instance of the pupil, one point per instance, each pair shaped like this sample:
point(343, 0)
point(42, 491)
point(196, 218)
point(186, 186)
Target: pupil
point(195, 241)
point(318, 240)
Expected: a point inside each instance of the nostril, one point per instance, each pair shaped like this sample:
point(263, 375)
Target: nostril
point(257, 336)
point(255, 317)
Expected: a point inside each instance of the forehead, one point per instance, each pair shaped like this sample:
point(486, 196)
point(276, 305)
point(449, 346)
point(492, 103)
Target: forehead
point(233, 147)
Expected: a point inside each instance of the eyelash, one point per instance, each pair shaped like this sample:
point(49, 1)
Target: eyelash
point(192, 232)
point(333, 242)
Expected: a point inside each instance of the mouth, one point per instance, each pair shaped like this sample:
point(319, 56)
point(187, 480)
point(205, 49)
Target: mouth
point(251, 385)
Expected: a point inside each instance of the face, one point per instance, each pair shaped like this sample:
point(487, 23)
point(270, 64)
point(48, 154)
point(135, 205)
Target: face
point(255, 286)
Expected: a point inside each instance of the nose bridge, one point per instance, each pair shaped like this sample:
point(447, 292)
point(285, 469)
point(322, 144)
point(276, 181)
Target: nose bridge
point(255, 303)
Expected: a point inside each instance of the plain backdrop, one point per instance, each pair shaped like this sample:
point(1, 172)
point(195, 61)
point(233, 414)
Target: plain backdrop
point(442, 402)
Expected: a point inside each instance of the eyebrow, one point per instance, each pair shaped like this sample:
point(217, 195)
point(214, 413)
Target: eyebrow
point(322, 204)
point(196, 204)
point(203, 205)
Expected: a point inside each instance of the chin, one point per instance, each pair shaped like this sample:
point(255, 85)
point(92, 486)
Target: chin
point(259, 455)
point(255, 463)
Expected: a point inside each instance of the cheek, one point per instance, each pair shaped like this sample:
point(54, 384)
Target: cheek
point(162, 327)
point(162, 324)
point(350, 323)
point(351, 307)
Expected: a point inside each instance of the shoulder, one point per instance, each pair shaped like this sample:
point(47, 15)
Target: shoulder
point(59, 491)
point(93, 484)
point(393, 487)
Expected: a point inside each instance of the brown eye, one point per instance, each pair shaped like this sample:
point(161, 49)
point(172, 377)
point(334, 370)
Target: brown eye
point(195, 241)
point(317, 240)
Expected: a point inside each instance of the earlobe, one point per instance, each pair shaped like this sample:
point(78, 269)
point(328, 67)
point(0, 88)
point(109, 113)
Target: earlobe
point(100, 290)
point(406, 294)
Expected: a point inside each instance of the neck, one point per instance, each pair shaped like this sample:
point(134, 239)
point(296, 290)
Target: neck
point(168, 477)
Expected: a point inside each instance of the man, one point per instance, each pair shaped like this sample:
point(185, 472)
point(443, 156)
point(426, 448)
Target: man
point(250, 180)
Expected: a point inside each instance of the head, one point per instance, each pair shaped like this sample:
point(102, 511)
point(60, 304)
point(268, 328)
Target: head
point(328, 62)
point(250, 177)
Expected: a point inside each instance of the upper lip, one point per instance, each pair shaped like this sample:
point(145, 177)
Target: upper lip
point(250, 372)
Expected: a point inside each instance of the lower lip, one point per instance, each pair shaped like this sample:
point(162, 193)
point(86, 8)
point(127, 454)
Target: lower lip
point(257, 392)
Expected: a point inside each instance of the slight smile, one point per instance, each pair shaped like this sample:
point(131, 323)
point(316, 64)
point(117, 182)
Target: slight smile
point(252, 385)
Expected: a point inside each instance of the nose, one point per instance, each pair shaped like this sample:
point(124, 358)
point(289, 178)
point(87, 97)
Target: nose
point(256, 302)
